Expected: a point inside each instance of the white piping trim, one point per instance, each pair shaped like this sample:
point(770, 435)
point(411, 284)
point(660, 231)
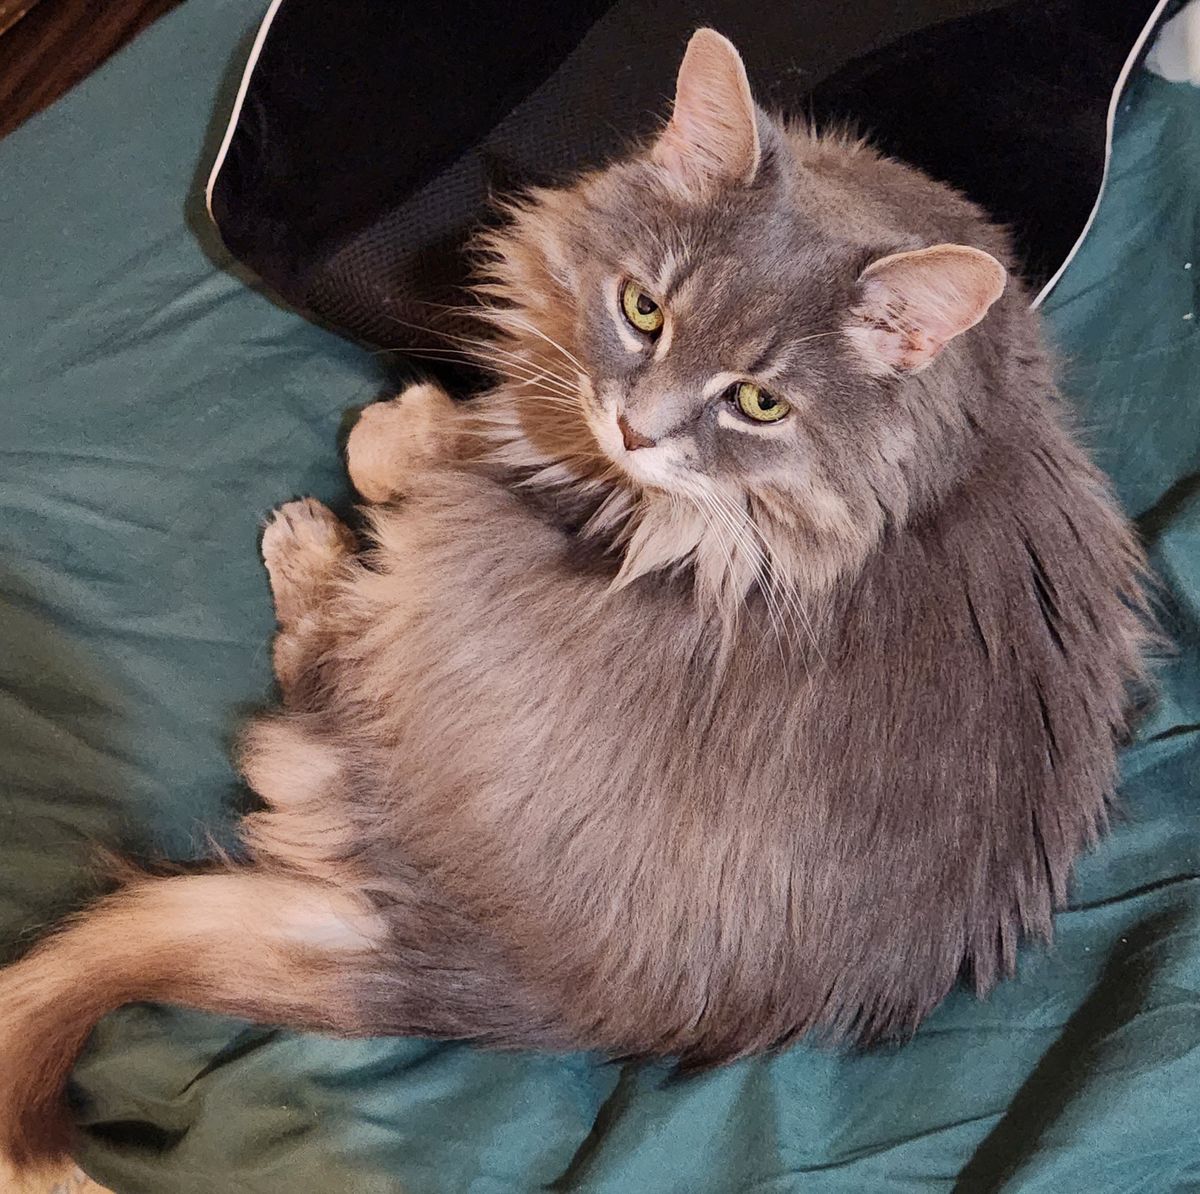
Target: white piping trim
point(1113, 104)
point(1110, 121)
point(260, 40)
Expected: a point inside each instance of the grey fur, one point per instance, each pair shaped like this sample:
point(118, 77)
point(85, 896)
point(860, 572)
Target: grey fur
point(701, 834)
point(786, 740)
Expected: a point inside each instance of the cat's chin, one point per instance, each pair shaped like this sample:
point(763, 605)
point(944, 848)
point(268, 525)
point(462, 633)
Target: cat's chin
point(644, 473)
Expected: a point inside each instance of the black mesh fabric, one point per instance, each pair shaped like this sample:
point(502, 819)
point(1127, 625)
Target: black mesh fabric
point(372, 136)
point(1008, 106)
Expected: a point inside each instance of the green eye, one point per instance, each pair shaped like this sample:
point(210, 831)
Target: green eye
point(640, 309)
point(758, 405)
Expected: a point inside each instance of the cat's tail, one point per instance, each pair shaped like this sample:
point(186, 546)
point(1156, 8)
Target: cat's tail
point(252, 943)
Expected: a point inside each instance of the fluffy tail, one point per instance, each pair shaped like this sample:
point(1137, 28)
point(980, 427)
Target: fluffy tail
point(248, 943)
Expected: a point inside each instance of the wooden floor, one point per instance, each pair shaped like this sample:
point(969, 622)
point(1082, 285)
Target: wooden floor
point(70, 1181)
point(47, 46)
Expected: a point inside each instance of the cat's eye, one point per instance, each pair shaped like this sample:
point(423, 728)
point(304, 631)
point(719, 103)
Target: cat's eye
point(640, 309)
point(755, 403)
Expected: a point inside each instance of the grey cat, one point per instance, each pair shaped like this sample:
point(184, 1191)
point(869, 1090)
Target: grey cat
point(748, 662)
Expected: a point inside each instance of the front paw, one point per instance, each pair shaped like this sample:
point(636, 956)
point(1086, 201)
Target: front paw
point(304, 544)
point(392, 438)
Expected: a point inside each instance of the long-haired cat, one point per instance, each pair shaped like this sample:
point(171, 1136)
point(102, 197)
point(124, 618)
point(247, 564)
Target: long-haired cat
point(747, 662)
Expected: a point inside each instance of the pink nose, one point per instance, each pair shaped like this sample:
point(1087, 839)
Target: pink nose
point(631, 437)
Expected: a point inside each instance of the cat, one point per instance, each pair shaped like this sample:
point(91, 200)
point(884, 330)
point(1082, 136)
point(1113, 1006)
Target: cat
point(748, 662)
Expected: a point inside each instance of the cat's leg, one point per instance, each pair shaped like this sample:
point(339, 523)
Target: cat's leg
point(305, 546)
point(393, 438)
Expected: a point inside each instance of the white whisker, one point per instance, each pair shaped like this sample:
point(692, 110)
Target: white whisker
point(479, 348)
point(516, 367)
point(508, 315)
point(786, 590)
point(756, 557)
point(777, 595)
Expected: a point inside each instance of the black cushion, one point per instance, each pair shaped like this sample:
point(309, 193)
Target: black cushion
point(371, 135)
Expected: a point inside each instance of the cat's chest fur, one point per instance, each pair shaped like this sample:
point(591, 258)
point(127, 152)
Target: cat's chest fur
point(559, 682)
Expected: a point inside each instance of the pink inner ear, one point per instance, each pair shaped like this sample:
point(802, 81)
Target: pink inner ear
point(913, 304)
point(713, 132)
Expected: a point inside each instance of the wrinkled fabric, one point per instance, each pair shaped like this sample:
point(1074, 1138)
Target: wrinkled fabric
point(153, 407)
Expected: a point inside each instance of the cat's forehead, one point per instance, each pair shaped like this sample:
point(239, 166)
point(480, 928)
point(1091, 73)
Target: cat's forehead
point(744, 235)
point(763, 283)
point(752, 246)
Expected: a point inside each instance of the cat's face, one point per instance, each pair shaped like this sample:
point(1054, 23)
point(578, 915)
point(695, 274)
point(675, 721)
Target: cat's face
point(715, 331)
point(710, 341)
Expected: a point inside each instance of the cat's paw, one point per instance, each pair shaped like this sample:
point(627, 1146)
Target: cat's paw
point(392, 438)
point(303, 545)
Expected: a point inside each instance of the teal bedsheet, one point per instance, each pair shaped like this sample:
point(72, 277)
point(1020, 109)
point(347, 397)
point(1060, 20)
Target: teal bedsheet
point(153, 407)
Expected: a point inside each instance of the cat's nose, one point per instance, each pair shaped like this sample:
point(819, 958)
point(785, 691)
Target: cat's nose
point(632, 438)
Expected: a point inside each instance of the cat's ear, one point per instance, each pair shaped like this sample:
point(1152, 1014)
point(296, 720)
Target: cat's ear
point(911, 305)
point(712, 136)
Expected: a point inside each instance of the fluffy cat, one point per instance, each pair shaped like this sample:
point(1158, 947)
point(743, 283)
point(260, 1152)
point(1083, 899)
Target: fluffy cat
point(747, 662)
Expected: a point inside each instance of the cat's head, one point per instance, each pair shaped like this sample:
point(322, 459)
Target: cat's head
point(728, 337)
